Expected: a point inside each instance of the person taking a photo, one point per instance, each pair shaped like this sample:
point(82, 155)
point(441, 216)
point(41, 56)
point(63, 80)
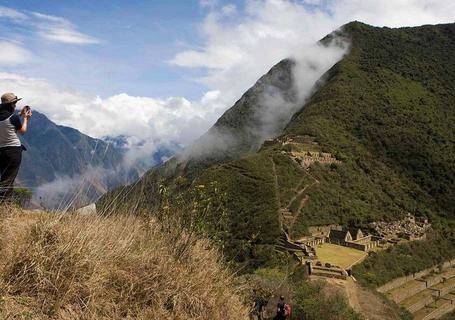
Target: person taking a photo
point(10, 145)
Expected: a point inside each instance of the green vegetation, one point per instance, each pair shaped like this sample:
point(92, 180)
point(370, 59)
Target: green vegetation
point(450, 316)
point(385, 110)
point(22, 196)
point(404, 259)
point(317, 302)
point(252, 209)
point(309, 299)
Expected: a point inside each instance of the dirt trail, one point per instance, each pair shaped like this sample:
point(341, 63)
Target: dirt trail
point(277, 195)
point(364, 301)
point(285, 214)
point(298, 193)
point(303, 201)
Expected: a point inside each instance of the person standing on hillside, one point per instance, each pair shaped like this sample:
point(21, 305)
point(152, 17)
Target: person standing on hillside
point(10, 145)
point(283, 310)
point(258, 307)
point(280, 309)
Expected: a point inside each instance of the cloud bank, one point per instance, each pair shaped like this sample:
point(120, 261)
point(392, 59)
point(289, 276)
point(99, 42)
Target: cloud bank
point(240, 44)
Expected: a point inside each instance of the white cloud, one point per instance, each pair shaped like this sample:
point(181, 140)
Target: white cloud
point(11, 13)
point(394, 13)
point(12, 54)
point(238, 51)
point(52, 28)
point(59, 29)
point(240, 46)
point(208, 3)
point(229, 9)
point(55, 29)
point(66, 35)
point(156, 121)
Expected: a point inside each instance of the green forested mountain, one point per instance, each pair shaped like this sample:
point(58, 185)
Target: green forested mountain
point(385, 115)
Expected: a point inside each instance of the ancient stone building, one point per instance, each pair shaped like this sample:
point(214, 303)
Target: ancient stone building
point(339, 237)
point(353, 238)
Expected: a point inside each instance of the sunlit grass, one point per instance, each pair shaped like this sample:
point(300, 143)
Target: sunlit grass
point(73, 266)
point(343, 257)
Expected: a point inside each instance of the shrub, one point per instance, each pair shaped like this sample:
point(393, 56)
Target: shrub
point(22, 196)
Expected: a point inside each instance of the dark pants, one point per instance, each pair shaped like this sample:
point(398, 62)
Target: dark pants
point(10, 161)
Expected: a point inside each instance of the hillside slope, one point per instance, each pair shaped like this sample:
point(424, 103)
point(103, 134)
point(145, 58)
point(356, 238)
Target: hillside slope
point(73, 266)
point(374, 142)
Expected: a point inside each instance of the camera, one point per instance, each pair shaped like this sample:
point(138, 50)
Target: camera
point(24, 110)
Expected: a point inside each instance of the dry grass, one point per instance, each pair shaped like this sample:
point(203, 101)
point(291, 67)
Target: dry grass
point(88, 267)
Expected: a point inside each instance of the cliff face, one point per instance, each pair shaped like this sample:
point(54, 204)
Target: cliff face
point(374, 142)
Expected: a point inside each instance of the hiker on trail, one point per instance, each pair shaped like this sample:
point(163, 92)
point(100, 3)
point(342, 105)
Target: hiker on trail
point(283, 309)
point(10, 145)
point(259, 308)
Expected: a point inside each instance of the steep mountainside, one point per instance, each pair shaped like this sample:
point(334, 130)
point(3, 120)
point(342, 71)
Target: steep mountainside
point(55, 151)
point(240, 130)
point(374, 142)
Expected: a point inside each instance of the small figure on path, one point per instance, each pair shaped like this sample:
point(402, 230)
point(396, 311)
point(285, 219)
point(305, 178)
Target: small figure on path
point(259, 308)
point(283, 310)
point(10, 145)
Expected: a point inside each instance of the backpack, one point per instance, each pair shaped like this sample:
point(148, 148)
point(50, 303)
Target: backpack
point(288, 310)
point(281, 308)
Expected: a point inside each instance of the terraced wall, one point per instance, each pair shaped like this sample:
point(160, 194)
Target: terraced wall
point(401, 281)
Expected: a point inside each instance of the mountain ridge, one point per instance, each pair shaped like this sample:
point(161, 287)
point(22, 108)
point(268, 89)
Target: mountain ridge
point(384, 113)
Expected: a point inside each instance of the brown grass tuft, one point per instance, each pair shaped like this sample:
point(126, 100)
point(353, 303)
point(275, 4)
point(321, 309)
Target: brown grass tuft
point(119, 267)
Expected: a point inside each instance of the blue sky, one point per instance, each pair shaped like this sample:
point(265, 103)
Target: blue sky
point(163, 71)
point(137, 39)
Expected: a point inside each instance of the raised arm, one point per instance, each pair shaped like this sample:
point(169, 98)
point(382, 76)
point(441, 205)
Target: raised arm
point(27, 116)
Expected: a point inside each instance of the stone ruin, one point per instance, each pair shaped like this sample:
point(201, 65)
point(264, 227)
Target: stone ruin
point(307, 158)
point(326, 270)
point(302, 150)
point(409, 228)
point(354, 238)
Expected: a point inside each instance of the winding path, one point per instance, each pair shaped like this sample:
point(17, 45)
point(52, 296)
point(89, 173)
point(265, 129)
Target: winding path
point(364, 301)
point(285, 214)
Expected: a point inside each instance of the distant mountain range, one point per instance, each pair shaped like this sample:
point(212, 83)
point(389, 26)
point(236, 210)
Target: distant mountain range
point(61, 163)
point(375, 141)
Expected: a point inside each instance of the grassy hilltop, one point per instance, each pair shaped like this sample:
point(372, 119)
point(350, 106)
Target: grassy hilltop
point(385, 112)
point(73, 266)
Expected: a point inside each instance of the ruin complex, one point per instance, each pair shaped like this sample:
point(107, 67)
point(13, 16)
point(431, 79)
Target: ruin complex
point(409, 229)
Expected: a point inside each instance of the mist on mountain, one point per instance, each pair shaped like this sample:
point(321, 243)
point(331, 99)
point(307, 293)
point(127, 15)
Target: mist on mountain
point(66, 168)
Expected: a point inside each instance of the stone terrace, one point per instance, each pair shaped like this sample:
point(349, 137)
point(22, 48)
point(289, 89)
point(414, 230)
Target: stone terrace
point(427, 297)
